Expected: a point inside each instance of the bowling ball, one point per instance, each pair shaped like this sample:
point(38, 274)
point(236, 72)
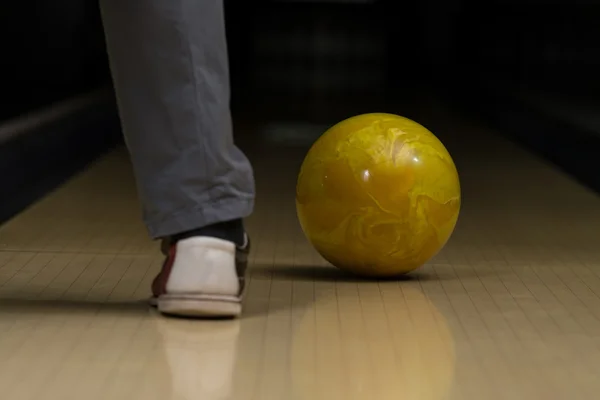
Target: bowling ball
point(378, 195)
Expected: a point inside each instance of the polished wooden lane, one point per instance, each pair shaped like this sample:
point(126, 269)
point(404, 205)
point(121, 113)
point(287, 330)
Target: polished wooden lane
point(510, 309)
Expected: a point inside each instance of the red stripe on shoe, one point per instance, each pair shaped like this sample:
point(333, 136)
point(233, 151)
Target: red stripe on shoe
point(159, 285)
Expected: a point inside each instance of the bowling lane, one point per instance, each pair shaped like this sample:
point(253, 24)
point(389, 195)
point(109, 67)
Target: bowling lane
point(510, 309)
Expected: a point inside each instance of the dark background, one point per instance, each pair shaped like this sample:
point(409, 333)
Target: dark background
point(529, 68)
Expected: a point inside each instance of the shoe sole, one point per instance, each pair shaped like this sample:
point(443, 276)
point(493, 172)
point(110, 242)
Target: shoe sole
point(198, 306)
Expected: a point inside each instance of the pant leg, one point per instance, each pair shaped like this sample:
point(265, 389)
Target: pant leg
point(170, 70)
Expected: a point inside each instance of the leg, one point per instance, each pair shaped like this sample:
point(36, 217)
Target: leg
point(169, 66)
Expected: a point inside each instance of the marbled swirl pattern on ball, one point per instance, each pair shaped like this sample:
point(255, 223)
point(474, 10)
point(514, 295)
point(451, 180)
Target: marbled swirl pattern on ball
point(378, 195)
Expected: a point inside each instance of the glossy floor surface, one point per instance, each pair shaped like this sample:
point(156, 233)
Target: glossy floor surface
point(510, 309)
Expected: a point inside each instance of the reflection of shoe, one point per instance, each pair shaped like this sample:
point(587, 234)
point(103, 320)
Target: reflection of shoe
point(201, 358)
point(202, 277)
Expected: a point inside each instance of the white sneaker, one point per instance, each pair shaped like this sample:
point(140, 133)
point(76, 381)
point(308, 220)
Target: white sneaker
point(202, 277)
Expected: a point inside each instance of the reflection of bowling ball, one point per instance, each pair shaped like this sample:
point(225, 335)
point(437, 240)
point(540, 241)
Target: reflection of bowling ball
point(378, 195)
point(390, 344)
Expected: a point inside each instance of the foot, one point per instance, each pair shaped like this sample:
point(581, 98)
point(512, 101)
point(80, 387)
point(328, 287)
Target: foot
point(201, 277)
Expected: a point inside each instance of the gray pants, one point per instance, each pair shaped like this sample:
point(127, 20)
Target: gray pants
point(169, 64)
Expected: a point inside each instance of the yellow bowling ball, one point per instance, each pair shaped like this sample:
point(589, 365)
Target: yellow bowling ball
point(378, 195)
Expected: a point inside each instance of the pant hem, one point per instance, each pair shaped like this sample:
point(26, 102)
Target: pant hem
point(200, 216)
